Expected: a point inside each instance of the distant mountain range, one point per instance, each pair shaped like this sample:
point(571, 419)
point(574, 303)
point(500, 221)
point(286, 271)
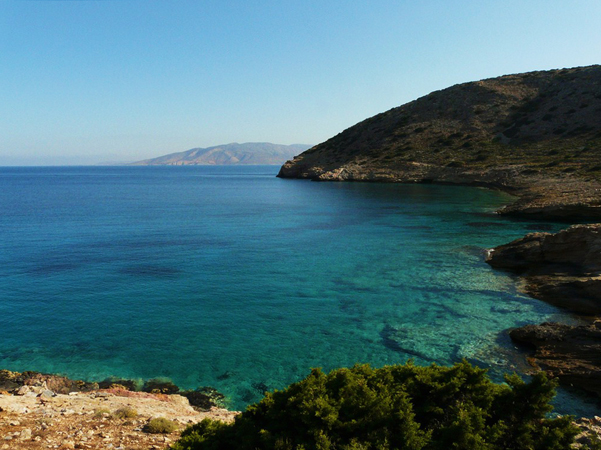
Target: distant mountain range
point(250, 153)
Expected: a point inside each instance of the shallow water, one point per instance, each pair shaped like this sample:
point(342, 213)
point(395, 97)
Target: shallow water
point(232, 278)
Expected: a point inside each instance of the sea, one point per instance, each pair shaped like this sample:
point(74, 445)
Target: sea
point(228, 277)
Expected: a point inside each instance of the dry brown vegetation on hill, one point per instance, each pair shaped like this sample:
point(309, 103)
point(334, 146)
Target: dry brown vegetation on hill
point(548, 120)
point(535, 134)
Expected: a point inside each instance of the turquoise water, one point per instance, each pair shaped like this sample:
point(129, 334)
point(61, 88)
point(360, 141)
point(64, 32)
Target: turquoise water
point(232, 278)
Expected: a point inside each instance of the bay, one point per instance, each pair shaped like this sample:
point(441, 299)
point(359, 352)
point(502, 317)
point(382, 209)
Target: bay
point(229, 277)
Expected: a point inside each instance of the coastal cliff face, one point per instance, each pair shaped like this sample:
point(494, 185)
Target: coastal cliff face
point(563, 269)
point(537, 135)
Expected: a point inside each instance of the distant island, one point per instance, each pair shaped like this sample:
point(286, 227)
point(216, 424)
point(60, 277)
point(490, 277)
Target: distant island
point(250, 153)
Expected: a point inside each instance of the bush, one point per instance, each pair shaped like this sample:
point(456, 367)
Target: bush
point(395, 407)
point(125, 413)
point(160, 425)
point(102, 412)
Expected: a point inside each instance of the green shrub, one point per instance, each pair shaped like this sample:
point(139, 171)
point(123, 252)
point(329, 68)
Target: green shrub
point(125, 413)
point(395, 407)
point(160, 425)
point(101, 412)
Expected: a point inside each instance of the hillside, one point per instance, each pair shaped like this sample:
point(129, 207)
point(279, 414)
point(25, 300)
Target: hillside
point(537, 135)
point(250, 153)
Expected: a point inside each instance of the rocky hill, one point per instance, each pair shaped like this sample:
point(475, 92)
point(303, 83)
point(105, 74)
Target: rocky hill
point(536, 134)
point(250, 153)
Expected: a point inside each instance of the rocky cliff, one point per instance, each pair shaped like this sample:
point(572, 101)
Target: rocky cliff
point(536, 134)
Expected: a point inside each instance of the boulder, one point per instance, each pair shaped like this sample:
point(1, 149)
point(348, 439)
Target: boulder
point(578, 246)
point(570, 353)
point(563, 269)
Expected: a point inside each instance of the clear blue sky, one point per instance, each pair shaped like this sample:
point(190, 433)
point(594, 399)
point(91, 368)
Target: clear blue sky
point(120, 80)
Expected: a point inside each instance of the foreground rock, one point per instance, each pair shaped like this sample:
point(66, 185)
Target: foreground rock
point(563, 269)
point(590, 432)
point(105, 419)
point(35, 383)
point(570, 353)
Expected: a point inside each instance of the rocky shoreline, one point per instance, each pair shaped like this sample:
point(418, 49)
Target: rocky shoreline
point(536, 135)
point(563, 269)
point(49, 411)
point(564, 198)
point(571, 354)
point(20, 383)
point(33, 417)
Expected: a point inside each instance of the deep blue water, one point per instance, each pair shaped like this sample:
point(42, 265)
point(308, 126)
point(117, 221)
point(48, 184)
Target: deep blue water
point(232, 278)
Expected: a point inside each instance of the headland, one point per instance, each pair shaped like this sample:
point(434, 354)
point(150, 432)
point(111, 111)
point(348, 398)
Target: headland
point(535, 135)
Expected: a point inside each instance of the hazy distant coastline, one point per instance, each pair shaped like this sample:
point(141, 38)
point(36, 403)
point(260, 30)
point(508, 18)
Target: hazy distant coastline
point(250, 153)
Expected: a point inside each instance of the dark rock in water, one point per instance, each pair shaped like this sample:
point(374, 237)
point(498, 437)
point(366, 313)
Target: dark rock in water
point(12, 381)
point(154, 386)
point(248, 396)
point(393, 338)
point(570, 353)
point(261, 388)
point(577, 246)
point(160, 386)
point(563, 269)
point(204, 398)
